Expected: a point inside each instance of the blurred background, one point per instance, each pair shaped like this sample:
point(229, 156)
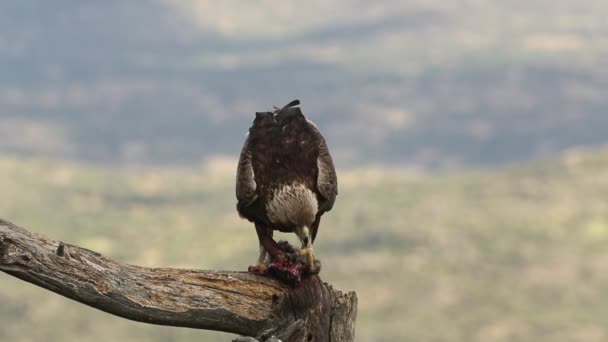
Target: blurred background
point(469, 137)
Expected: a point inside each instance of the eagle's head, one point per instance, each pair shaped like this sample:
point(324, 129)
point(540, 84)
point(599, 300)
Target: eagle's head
point(303, 216)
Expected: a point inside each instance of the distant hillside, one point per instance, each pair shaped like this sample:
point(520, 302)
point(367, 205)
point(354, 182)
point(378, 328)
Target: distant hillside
point(491, 255)
point(425, 83)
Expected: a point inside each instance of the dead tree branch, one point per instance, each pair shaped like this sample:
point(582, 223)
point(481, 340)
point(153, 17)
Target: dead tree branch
point(235, 302)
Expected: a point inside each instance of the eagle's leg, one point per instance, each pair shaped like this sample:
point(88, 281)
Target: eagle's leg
point(267, 246)
point(263, 258)
point(310, 258)
point(261, 265)
point(266, 240)
point(313, 266)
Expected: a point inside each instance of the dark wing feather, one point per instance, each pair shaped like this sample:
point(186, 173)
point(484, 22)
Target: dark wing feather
point(327, 181)
point(245, 178)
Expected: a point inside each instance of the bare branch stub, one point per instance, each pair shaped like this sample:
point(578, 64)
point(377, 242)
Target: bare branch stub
point(235, 302)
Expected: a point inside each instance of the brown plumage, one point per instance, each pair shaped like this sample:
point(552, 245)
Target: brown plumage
point(285, 179)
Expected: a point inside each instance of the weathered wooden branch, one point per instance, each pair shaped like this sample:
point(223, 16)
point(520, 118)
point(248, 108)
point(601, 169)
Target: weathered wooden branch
point(236, 302)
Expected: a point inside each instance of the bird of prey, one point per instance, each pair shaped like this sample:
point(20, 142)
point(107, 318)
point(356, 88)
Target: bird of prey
point(285, 181)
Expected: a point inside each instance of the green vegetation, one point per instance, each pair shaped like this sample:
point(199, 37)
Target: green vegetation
point(519, 254)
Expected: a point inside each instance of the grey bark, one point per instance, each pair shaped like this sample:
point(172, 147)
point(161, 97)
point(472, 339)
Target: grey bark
point(235, 302)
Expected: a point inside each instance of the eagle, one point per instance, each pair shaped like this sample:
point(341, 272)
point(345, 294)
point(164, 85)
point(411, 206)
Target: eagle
point(285, 181)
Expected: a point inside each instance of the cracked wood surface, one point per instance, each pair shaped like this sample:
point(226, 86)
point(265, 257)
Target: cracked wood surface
point(235, 302)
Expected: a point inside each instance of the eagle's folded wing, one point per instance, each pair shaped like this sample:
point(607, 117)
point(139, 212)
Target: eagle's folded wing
point(245, 178)
point(327, 182)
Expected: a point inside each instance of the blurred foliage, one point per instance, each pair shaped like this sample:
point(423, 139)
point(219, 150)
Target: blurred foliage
point(514, 254)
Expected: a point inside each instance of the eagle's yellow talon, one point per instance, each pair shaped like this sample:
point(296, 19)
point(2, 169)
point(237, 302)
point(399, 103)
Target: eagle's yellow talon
point(259, 268)
point(313, 266)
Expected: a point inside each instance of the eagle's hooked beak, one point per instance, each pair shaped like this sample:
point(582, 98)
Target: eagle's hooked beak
point(304, 236)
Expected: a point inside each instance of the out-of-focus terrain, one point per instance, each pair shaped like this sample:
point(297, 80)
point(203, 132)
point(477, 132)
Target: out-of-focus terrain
point(518, 254)
point(435, 84)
